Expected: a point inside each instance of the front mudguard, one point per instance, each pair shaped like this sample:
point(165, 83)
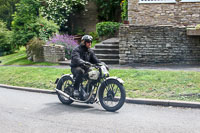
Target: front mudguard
point(115, 78)
point(58, 80)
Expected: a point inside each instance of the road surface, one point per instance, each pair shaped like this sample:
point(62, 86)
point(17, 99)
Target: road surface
point(29, 112)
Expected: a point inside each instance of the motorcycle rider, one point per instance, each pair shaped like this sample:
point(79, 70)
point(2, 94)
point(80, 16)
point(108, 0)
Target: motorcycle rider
point(82, 56)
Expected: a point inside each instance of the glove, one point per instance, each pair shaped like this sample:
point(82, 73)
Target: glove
point(87, 64)
point(104, 64)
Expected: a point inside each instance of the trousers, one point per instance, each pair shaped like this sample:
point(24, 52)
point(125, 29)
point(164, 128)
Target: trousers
point(78, 72)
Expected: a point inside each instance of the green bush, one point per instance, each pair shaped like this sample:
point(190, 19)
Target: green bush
point(94, 35)
point(42, 29)
point(5, 40)
point(24, 22)
point(46, 28)
point(27, 23)
point(107, 28)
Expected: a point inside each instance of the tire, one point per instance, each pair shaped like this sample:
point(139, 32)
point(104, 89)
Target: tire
point(112, 91)
point(65, 84)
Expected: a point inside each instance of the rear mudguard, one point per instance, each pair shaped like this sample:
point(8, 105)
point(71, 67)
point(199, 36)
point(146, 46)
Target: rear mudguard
point(58, 80)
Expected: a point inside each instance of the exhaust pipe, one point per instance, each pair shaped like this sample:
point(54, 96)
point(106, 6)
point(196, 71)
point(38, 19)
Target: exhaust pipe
point(67, 96)
point(61, 92)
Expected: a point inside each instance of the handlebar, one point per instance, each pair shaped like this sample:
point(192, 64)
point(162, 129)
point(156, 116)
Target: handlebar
point(98, 65)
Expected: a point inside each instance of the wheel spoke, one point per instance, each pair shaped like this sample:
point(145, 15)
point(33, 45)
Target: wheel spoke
point(105, 100)
point(110, 91)
point(112, 86)
point(116, 89)
point(107, 88)
point(66, 84)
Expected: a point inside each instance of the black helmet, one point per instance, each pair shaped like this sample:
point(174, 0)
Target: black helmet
point(87, 38)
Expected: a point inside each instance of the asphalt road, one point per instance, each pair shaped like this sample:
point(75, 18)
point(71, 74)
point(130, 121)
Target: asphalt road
point(29, 112)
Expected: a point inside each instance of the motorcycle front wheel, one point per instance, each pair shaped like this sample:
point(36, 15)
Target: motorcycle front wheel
point(66, 85)
point(112, 95)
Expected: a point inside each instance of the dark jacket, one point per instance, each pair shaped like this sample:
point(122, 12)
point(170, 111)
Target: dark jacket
point(81, 54)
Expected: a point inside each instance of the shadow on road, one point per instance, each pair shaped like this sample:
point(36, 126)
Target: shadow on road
point(59, 108)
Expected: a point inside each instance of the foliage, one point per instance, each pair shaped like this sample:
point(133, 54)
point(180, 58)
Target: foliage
point(65, 40)
point(94, 42)
point(94, 35)
point(7, 8)
point(27, 23)
point(108, 10)
point(27, 12)
point(78, 31)
point(107, 28)
point(124, 7)
point(46, 28)
point(5, 40)
point(59, 10)
point(95, 38)
point(35, 48)
point(24, 21)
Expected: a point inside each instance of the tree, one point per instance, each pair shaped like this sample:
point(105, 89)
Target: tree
point(60, 10)
point(7, 8)
point(23, 24)
point(5, 39)
point(27, 23)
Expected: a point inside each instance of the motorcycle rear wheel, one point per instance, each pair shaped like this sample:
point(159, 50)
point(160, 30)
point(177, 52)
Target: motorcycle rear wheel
point(66, 85)
point(112, 95)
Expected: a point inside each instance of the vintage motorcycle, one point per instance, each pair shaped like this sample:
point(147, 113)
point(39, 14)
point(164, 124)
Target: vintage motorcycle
point(97, 86)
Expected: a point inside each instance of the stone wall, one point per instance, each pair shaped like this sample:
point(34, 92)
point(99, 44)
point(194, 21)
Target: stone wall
point(157, 44)
point(54, 53)
point(176, 14)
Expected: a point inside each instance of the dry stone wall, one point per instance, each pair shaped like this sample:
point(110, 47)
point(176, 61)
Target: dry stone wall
point(176, 14)
point(157, 44)
point(54, 53)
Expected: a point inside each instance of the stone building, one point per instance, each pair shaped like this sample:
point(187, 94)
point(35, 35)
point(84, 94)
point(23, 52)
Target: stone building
point(164, 12)
point(157, 33)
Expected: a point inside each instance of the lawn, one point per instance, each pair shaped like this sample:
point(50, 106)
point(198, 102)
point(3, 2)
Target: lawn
point(155, 84)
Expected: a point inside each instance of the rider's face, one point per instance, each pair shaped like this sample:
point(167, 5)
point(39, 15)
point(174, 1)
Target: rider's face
point(88, 44)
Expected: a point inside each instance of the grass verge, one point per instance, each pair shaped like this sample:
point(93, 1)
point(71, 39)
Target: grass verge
point(155, 84)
